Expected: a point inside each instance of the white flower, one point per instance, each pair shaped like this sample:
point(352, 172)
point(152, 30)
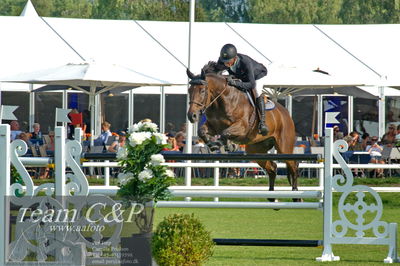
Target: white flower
point(145, 174)
point(169, 173)
point(148, 125)
point(135, 128)
point(138, 138)
point(157, 159)
point(160, 138)
point(124, 178)
point(122, 153)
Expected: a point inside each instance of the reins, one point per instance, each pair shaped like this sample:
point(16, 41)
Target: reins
point(208, 105)
point(219, 95)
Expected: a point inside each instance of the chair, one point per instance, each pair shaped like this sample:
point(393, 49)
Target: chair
point(42, 151)
point(317, 150)
point(298, 150)
point(46, 139)
point(34, 151)
point(395, 156)
point(386, 156)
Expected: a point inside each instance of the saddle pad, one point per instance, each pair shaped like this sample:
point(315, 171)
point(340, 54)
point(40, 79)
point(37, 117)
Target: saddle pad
point(269, 105)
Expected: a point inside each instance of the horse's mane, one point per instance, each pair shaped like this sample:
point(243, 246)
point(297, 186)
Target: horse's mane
point(212, 69)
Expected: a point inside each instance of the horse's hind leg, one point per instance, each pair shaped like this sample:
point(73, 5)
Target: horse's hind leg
point(270, 167)
point(292, 166)
point(293, 174)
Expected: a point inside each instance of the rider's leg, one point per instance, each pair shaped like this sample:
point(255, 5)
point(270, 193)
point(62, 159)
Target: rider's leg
point(261, 108)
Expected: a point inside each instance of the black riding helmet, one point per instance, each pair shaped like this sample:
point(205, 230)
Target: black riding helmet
point(228, 52)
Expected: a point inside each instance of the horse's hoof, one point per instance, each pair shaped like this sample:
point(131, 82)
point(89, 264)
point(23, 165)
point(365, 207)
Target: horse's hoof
point(298, 200)
point(274, 200)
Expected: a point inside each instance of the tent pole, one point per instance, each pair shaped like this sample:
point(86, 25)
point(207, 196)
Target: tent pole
point(189, 126)
point(130, 108)
point(351, 113)
point(31, 107)
point(382, 115)
point(162, 109)
point(320, 116)
point(92, 107)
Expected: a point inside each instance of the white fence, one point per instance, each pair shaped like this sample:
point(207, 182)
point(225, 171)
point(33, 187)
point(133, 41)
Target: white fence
point(334, 232)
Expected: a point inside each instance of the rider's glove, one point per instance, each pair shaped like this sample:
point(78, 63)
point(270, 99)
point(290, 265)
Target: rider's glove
point(235, 83)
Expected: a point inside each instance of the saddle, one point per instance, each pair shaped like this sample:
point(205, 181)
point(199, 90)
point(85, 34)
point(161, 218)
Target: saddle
point(269, 105)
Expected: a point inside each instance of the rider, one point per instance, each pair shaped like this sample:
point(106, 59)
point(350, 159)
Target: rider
point(246, 71)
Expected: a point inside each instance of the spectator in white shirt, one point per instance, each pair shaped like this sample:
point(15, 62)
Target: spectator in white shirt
point(15, 130)
point(375, 150)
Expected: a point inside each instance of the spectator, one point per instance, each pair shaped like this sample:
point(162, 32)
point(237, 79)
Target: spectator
point(86, 121)
point(375, 151)
point(76, 121)
point(201, 148)
point(170, 128)
point(337, 134)
point(25, 137)
point(389, 138)
point(36, 134)
point(180, 138)
point(116, 145)
point(50, 146)
point(106, 133)
point(146, 120)
point(183, 128)
point(15, 129)
point(355, 144)
point(172, 142)
point(349, 140)
point(365, 141)
point(397, 138)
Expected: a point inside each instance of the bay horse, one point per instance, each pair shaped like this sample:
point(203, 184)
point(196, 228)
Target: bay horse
point(230, 114)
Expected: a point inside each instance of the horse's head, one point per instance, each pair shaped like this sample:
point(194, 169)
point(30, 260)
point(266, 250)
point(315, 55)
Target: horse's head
point(198, 95)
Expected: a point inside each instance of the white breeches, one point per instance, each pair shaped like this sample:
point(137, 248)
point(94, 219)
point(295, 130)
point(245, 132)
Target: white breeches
point(260, 85)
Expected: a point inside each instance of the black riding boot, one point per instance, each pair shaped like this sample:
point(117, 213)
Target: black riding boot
point(261, 107)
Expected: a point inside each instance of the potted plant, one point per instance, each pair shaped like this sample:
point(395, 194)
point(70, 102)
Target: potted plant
point(181, 239)
point(143, 180)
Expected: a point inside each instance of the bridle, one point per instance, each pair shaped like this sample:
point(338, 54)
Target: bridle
point(205, 106)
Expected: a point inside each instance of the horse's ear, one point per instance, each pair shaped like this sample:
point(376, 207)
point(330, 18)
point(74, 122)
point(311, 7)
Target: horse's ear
point(190, 74)
point(203, 75)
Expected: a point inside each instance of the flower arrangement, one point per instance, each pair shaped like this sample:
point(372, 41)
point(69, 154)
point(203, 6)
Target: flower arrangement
point(143, 178)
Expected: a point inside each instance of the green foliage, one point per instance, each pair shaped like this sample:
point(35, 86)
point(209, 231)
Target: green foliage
point(167, 10)
point(226, 10)
point(143, 179)
point(181, 239)
point(15, 176)
point(11, 7)
point(253, 11)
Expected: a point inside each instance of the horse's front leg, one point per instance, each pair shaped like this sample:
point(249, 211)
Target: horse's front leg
point(233, 132)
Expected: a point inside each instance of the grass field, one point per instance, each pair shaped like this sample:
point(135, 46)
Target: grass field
point(284, 224)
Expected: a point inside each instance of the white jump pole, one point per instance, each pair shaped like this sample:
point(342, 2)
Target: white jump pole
point(327, 254)
point(4, 190)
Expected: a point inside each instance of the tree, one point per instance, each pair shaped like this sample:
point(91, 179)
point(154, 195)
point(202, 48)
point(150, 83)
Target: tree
point(226, 10)
point(369, 12)
point(165, 10)
point(11, 7)
point(72, 8)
